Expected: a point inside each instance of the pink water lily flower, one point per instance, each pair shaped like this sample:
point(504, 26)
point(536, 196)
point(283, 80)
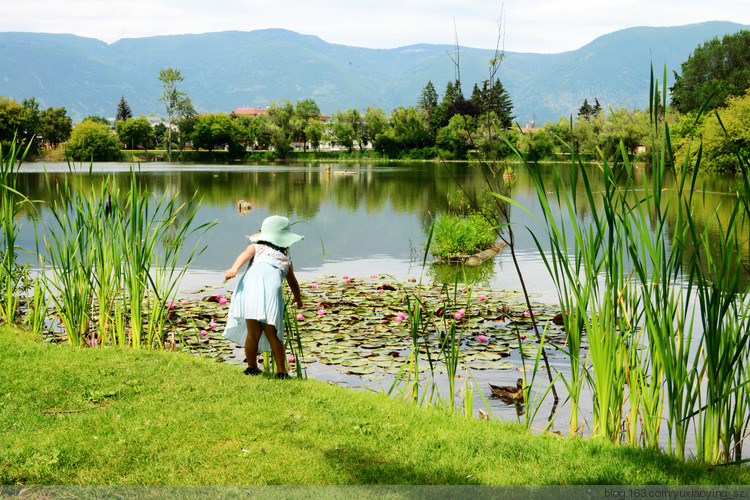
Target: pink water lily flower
point(374, 276)
point(345, 277)
point(185, 302)
point(321, 312)
point(218, 295)
point(528, 314)
point(127, 330)
point(523, 336)
point(204, 332)
point(213, 325)
point(398, 319)
point(380, 290)
point(291, 359)
point(402, 315)
point(458, 316)
point(482, 297)
point(314, 285)
point(223, 300)
point(300, 317)
point(482, 338)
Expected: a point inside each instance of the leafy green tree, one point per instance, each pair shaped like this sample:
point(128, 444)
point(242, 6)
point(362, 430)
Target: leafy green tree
point(31, 122)
point(171, 98)
point(314, 132)
point(97, 119)
point(343, 129)
point(185, 116)
point(408, 129)
point(91, 141)
point(726, 142)
point(136, 132)
point(11, 119)
point(456, 137)
point(537, 145)
point(281, 127)
point(56, 125)
point(374, 122)
point(720, 66)
point(123, 110)
point(307, 108)
point(213, 131)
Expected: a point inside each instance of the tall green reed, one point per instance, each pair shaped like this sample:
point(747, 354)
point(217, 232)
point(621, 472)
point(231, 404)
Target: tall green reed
point(115, 257)
point(11, 204)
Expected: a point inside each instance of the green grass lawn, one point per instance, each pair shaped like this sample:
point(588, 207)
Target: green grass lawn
point(110, 416)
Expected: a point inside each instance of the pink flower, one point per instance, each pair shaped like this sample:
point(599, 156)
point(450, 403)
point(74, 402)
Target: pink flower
point(212, 325)
point(291, 359)
point(421, 306)
point(204, 332)
point(223, 300)
point(374, 276)
point(318, 304)
point(185, 302)
point(402, 315)
point(458, 316)
point(398, 319)
point(482, 297)
point(380, 290)
point(170, 304)
point(127, 330)
point(523, 336)
point(218, 295)
point(482, 338)
point(345, 277)
point(321, 312)
point(528, 314)
point(314, 285)
point(347, 280)
point(300, 317)
point(461, 312)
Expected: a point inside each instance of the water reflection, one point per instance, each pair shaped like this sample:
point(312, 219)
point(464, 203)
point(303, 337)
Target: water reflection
point(373, 221)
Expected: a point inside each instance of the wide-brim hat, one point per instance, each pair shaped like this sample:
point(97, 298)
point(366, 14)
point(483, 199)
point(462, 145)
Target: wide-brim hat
point(277, 230)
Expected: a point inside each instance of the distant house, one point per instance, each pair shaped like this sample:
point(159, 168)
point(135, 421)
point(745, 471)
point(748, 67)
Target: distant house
point(250, 111)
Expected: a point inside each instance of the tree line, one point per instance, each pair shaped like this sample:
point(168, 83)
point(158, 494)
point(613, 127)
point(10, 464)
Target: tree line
point(450, 127)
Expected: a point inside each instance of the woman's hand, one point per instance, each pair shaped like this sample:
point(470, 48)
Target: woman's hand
point(298, 302)
point(229, 274)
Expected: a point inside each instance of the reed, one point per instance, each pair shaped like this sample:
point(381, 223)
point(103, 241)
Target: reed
point(11, 204)
point(632, 269)
point(116, 261)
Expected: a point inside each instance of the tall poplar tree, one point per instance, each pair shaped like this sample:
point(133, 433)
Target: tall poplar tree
point(171, 98)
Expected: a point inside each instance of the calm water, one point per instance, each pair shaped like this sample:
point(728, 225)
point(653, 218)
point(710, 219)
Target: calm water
point(373, 221)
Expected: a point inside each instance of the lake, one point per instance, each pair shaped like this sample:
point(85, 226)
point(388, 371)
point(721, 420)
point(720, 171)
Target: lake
point(358, 220)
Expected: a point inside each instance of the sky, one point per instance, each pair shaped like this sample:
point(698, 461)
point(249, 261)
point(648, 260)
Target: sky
point(541, 26)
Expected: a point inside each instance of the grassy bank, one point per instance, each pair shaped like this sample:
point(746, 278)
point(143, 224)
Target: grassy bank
point(111, 416)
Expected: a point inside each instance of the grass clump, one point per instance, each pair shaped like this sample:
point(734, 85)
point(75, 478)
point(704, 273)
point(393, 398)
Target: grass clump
point(124, 416)
point(456, 235)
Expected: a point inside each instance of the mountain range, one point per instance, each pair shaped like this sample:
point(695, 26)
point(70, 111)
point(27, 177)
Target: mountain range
point(227, 70)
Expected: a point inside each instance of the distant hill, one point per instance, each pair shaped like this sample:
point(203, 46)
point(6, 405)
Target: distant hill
point(233, 69)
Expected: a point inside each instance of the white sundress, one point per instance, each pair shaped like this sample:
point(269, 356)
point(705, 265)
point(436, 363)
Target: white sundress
point(259, 295)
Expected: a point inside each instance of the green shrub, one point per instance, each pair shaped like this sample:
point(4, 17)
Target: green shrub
point(454, 235)
point(91, 141)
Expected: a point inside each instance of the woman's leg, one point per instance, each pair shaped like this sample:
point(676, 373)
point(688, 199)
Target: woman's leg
point(277, 348)
point(254, 332)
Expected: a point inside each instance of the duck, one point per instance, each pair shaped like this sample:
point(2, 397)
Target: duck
point(243, 207)
point(507, 393)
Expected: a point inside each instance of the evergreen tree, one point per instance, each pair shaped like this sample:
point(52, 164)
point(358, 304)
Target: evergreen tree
point(428, 98)
point(585, 111)
point(498, 101)
point(597, 109)
point(123, 110)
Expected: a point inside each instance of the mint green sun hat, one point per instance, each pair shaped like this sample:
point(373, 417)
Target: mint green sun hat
point(276, 229)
